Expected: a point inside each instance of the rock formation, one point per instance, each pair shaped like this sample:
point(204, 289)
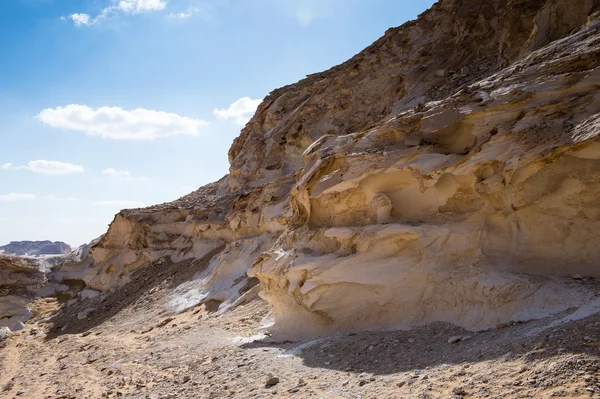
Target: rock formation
point(448, 172)
point(33, 248)
point(20, 279)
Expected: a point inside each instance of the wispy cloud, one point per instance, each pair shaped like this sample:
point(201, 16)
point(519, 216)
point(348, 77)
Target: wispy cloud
point(120, 204)
point(184, 15)
point(119, 124)
point(122, 174)
point(47, 167)
point(240, 111)
point(127, 7)
point(80, 19)
point(137, 6)
point(16, 197)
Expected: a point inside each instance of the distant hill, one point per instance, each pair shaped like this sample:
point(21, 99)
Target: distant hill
point(32, 248)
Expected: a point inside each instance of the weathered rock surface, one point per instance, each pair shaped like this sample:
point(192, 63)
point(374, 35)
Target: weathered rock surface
point(20, 279)
point(449, 172)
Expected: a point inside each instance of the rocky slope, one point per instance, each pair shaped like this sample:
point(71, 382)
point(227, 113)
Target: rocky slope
point(449, 172)
point(132, 352)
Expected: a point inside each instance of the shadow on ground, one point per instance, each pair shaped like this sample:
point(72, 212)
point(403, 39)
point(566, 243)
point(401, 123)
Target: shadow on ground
point(391, 352)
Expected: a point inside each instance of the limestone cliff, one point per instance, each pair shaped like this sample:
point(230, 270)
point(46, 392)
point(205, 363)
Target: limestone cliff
point(450, 171)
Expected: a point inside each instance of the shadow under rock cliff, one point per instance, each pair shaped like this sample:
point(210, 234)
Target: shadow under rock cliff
point(390, 352)
point(147, 286)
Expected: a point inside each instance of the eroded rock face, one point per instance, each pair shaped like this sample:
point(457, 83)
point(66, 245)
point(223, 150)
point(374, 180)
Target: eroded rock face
point(450, 172)
point(20, 279)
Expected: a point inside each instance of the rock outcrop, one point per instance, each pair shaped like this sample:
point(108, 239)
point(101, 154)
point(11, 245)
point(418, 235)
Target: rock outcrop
point(448, 172)
point(34, 248)
point(20, 279)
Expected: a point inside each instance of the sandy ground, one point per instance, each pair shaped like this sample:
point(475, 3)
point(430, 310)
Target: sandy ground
point(129, 345)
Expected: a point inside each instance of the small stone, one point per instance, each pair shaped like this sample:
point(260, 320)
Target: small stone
point(9, 385)
point(4, 332)
point(460, 391)
point(165, 322)
point(455, 339)
point(271, 381)
point(363, 381)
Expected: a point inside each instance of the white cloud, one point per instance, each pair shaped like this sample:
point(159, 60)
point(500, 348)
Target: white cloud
point(119, 124)
point(122, 174)
point(240, 111)
point(120, 204)
point(116, 173)
point(80, 19)
point(184, 15)
point(10, 166)
point(203, 11)
point(54, 167)
point(14, 197)
point(137, 6)
point(128, 7)
point(47, 167)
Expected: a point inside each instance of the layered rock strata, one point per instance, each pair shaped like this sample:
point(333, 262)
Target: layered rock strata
point(450, 171)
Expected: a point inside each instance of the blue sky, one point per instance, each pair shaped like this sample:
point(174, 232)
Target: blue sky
point(106, 104)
